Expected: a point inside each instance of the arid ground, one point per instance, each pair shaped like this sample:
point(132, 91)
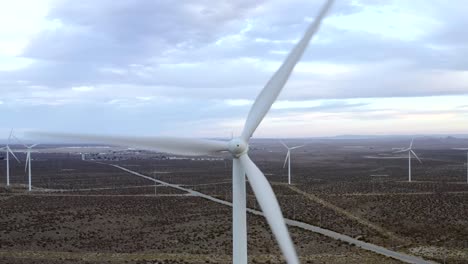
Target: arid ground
point(90, 212)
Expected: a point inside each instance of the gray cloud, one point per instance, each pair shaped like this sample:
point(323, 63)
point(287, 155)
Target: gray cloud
point(326, 106)
point(201, 49)
point(131, 31)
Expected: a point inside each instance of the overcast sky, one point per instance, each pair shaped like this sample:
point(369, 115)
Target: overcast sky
point(193, 68)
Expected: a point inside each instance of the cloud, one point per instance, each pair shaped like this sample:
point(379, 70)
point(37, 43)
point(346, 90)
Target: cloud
point(316, 106)
point(231, 46)
point(238, 102)
point(203, 62)
point(93, 36)
point(129, 31)
point(82, 88)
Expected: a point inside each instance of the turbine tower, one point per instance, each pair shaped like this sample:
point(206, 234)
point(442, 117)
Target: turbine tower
point(410, 153)
point(466, 149)
point(27, 167)
point(238, 147)
point(288, 159)
point(7, 154)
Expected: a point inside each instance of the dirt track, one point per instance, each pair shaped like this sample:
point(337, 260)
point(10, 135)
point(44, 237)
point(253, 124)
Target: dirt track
point(359, 219)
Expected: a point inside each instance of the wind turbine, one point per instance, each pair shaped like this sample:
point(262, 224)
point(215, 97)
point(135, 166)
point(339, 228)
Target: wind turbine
point(238, 147)
point(27, 166)
point(7, 152)
point(288, 158)
point(410, 153)
point(466, 161)
point(28, 163)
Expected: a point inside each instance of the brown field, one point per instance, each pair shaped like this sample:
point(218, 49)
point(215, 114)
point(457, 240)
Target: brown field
point(87, 212)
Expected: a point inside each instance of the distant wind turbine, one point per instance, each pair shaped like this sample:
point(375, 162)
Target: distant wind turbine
point(238, 147)
point(410, 153)
point(27, 166)
point(28, 163)
point(466, 149)
point(288, 158)
point(7, 152)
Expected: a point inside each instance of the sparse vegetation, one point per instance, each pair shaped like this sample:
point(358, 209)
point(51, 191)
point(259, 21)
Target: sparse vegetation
point(81, 208)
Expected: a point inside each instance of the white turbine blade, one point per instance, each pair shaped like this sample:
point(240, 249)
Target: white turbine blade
point(411, 144)
point(416, 156)
point(296, 147)
point(19, 141)
point(270, 207)
point(460, 148)
point(274, 86)
point(179, 146)
point(284, 144)
point(403, 150)
point(32, 146)
point(286, 159)
point(9, 137)
point(12, 153)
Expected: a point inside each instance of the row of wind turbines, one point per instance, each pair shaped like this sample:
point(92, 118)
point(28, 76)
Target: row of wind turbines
point(409, 149)
point(27, 167)
point(411, 153)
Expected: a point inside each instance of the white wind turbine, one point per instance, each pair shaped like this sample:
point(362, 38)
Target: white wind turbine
point(27, 166)
point(466, 161)
point(288, 158)
point(238, 147)
point(7, 153)
point(410, 153)
point(28, 163)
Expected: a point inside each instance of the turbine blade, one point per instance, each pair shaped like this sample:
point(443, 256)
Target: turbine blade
point(403, 150)
point(179, 146)
point(411, 144)
point(296, 147)
point(416, 156)
point(19, 141)
point(13, 154)
point(32, 146)
point(270, 207)
point(9, 137)
point(274, 86)
point(460, 148)
point(284, 144)
point(286, 159)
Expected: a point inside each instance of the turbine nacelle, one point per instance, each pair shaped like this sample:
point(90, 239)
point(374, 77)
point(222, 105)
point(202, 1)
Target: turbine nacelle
point(238, 146)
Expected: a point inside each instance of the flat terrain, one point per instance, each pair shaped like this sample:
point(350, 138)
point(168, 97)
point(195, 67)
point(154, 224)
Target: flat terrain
point(88, 212)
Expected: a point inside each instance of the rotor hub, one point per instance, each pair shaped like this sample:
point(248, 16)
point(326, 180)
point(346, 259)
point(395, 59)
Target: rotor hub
point(238, 146)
